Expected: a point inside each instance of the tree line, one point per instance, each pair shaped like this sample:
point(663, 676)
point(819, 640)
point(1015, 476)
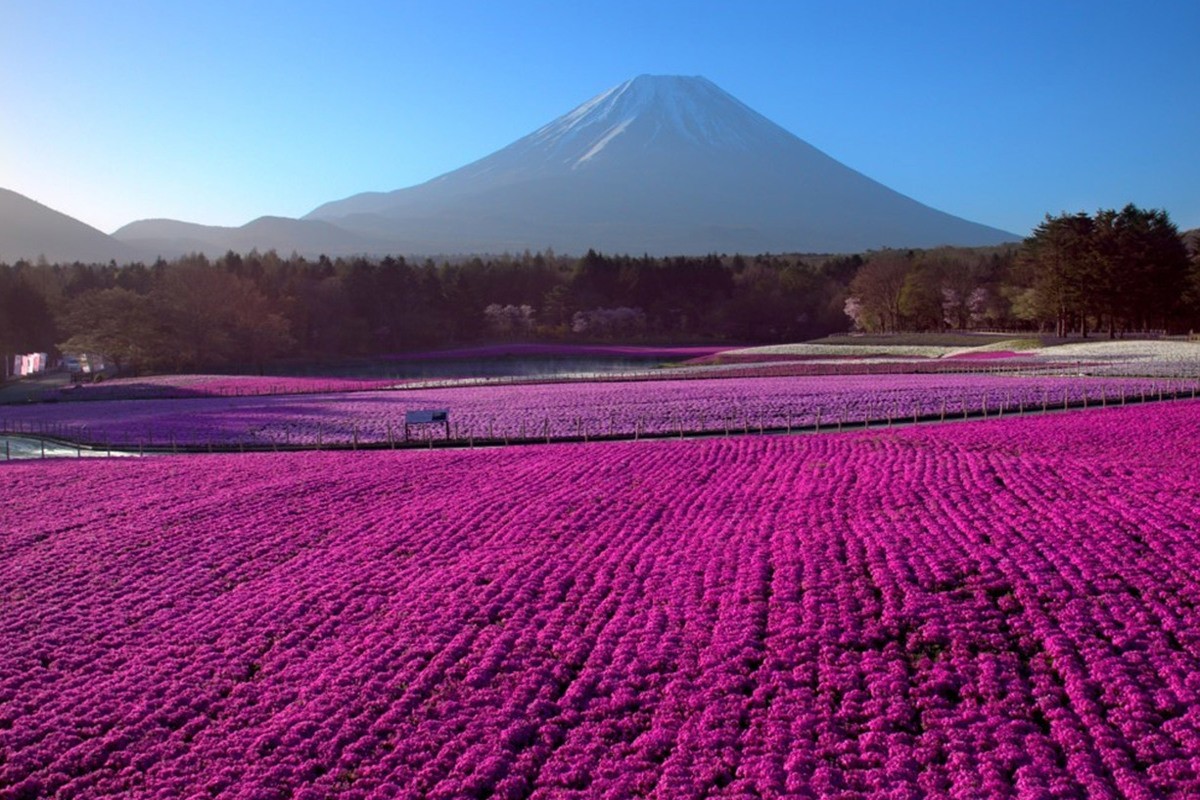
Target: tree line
point(1117, 270)
point(245, 311)
point(1113, 271)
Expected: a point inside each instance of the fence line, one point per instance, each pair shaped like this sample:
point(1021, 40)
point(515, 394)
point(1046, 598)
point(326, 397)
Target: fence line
point(884, 409)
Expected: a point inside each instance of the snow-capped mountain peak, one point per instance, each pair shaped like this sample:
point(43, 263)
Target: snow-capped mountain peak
point(658, 164)
point(654, 111)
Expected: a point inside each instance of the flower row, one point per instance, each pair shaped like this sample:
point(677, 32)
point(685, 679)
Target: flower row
point(1006, 608)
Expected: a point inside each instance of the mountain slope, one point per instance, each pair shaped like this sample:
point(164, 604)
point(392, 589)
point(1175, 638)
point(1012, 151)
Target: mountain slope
point(29, 230)
point(659, 164)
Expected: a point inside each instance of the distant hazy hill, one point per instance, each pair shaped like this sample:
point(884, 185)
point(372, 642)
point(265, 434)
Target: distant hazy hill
point(29, 229)
point(170, 238)
point(659, 165)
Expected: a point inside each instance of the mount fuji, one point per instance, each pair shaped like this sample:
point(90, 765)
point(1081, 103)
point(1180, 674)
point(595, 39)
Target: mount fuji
point(664, 165)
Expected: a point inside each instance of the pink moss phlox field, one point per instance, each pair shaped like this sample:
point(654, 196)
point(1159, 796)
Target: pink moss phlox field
point(993, 609)
point(539, 411)
point(181, 386)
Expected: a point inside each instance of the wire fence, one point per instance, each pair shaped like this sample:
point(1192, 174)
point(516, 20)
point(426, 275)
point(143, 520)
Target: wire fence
point(608, 424)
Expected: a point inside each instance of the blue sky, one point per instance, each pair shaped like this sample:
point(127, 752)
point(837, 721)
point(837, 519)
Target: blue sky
point(220, 112)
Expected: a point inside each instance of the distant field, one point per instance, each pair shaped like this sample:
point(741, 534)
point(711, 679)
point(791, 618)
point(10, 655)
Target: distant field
point(1003, 608)
point(518, 350)
point(183, 386)
point(947, 339)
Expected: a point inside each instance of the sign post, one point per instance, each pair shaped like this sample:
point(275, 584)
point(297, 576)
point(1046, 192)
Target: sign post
point(439, 416)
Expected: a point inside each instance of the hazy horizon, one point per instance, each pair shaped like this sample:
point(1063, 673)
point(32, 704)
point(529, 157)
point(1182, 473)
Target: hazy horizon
point(218, 115)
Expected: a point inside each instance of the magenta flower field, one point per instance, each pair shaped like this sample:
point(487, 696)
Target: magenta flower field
point(1007, 608)
point(568, 410)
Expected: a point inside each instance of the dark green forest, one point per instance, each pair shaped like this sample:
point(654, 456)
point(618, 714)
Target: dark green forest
point(1112, 273)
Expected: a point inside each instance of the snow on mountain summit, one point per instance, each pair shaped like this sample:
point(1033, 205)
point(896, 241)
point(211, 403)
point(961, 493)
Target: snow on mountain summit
point(663, 110)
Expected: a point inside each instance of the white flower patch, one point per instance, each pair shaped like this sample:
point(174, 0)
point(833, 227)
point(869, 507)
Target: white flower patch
point(848, 350)
point(1160, 358)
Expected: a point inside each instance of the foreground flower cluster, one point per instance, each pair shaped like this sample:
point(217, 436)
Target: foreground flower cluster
point(995, 609)
point(569, 410)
